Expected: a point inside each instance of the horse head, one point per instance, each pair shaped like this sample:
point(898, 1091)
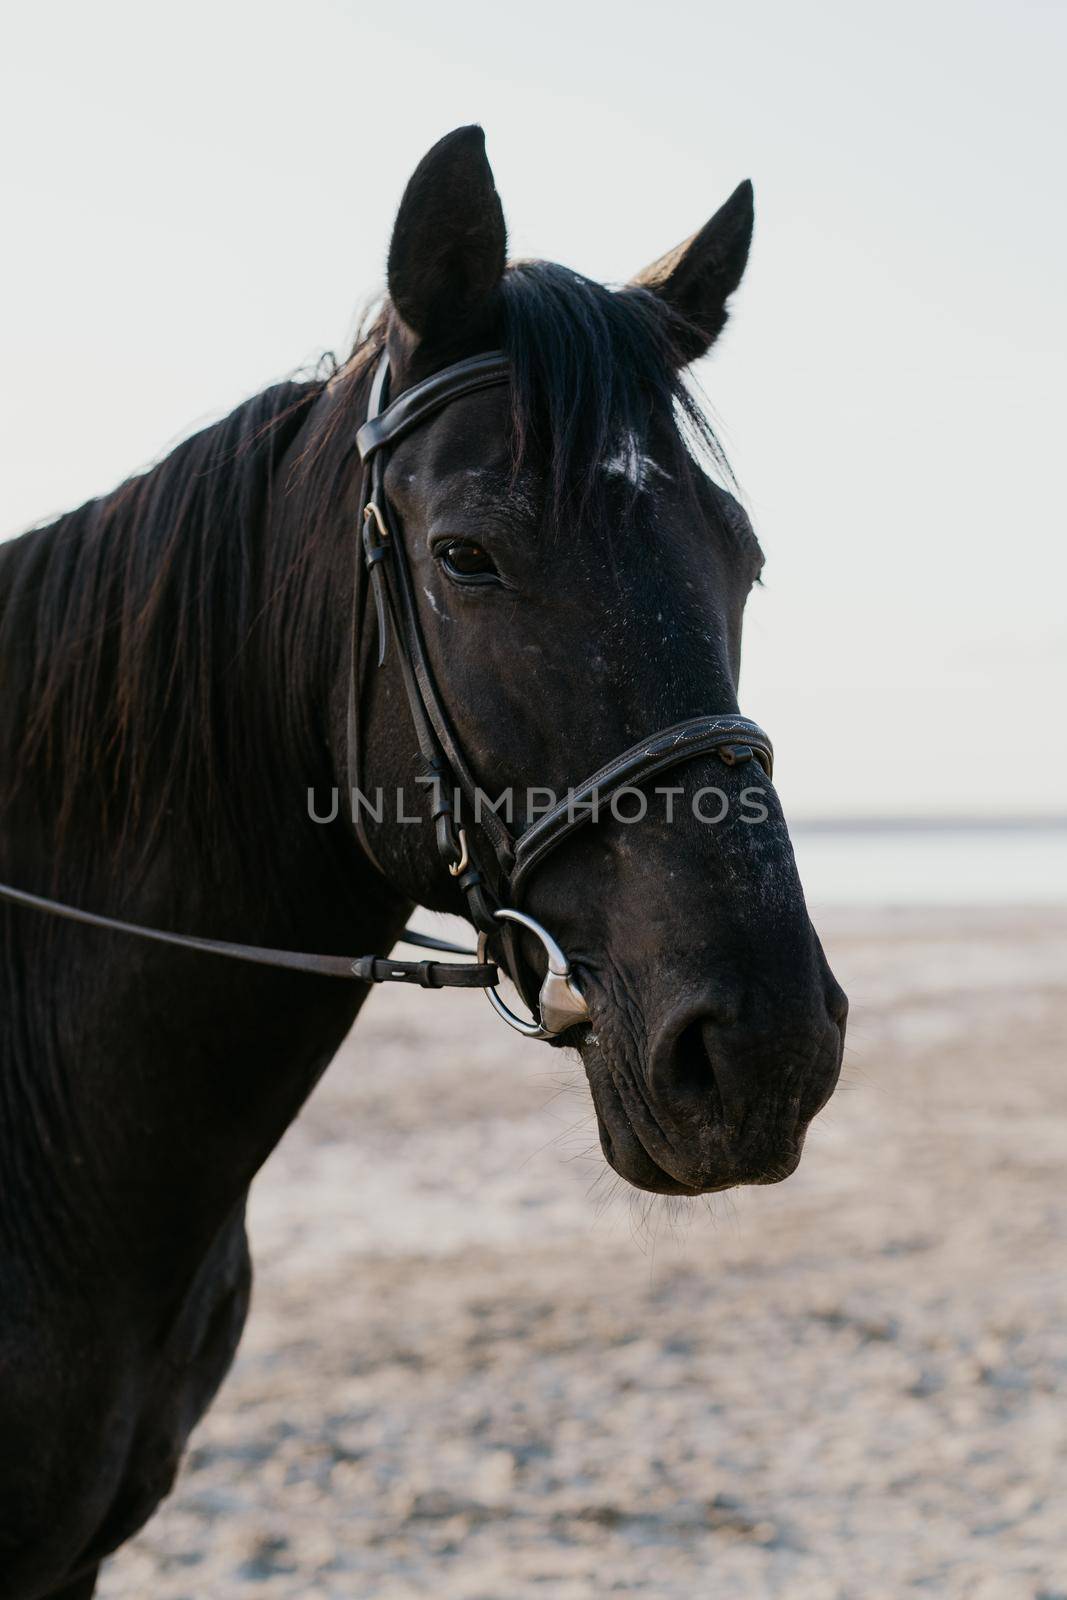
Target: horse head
point(578, 577)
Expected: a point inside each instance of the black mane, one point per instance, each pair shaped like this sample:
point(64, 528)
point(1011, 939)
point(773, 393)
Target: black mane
point(592, 367)
point(120, 624)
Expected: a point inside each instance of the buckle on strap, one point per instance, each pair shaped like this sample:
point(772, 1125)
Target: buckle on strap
point(426, 974)
point(374, 550)
point(458, 868)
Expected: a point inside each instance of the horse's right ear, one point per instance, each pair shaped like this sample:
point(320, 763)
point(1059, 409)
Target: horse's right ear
point(449, 241)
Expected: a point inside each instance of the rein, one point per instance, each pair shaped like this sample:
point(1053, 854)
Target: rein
point(428, 974)
point(492, 867)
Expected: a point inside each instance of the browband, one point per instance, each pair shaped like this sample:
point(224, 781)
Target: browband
point(416, 404)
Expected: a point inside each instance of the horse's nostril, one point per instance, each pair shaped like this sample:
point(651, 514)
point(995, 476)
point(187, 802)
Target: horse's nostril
point(691, 1071)
point(720, 1070)
point(837, 1004)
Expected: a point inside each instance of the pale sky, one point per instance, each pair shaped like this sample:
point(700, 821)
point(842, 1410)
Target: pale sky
point(198, 200)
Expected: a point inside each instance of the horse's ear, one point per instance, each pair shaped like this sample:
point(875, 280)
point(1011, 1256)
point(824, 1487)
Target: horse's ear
point(449, 241)
point(698, 277)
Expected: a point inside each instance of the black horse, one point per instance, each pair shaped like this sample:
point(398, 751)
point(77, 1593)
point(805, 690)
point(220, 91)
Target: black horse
point(175, 666)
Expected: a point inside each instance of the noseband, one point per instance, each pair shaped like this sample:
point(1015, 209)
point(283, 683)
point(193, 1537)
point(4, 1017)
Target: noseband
point(491, 866)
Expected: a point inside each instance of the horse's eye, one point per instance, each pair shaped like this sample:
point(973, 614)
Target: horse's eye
point(465, 559)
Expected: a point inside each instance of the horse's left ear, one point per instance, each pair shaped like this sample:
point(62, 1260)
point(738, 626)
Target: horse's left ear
point(449, 242)
point(698, 277)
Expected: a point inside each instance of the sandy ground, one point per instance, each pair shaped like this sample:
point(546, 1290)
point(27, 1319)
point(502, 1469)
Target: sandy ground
point(478, 1369)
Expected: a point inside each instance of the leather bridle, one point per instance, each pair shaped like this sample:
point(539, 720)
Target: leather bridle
point(491, 865)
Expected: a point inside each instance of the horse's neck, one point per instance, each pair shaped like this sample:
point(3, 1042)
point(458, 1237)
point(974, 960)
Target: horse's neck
point(153, 1083)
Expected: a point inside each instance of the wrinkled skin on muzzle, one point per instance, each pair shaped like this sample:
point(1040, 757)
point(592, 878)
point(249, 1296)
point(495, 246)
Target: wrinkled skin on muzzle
point(716, 1027)
point(715, 1024)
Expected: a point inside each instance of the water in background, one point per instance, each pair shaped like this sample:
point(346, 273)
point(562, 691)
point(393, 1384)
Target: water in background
point(912, 864)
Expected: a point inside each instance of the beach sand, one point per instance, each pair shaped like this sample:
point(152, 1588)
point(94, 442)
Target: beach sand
point(479, 1368)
